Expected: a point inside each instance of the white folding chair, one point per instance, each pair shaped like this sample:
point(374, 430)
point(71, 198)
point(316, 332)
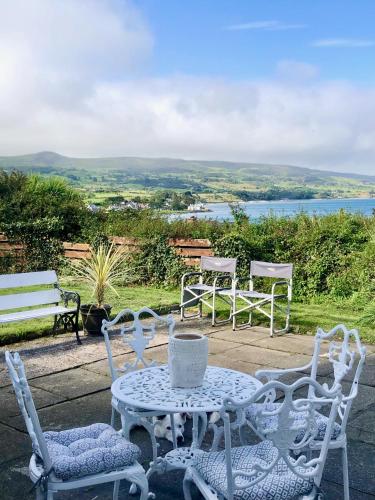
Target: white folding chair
point(248, 300)
point(75, 458)
point(137, 333)
point(347, 357)
point(197, 294)
point(278, 467)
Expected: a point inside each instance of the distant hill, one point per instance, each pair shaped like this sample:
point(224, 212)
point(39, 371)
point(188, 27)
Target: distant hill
point(135, 164)
point(211, 180)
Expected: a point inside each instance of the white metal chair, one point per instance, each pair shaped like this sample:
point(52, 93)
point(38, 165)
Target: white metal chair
point(278, 467)
point(197, 294)
point(251, 299)
point(137, 335)
point(74, 458)
point(347, 357)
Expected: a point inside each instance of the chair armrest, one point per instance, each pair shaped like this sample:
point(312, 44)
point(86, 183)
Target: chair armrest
point(222, 277)
point(276, 374)
point(279, 283)
point(186, 276)
point(69, 296)
point(242, 280)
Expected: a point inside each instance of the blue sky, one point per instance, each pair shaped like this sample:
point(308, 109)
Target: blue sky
point(191, 37)
point(271, 81)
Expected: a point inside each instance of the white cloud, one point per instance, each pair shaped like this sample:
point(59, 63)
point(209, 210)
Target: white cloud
point(288, 69)
point(75, 93)
point(343, 43)
point(265, 26)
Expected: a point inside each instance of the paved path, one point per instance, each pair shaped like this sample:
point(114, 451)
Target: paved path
point(71, 384)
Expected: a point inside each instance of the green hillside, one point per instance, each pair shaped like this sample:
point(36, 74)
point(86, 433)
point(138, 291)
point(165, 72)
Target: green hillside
point(134, 177)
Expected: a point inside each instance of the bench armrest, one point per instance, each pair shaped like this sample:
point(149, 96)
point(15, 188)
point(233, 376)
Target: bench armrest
point(69, 296)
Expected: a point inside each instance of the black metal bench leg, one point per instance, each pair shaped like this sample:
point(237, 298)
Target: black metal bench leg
point(76, 329)
point(54, 326)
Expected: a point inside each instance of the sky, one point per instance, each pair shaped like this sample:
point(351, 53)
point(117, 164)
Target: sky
point(271, 81)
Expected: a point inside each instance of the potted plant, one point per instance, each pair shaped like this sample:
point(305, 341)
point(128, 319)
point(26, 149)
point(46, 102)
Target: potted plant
point(101, 271)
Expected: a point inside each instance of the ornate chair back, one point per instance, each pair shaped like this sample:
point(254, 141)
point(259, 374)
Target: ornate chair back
point(137, 334)
point(347, 357)
point(291, 428)
point(26, 404)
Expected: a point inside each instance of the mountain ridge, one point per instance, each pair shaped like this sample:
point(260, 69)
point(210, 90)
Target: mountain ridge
point(45, 159)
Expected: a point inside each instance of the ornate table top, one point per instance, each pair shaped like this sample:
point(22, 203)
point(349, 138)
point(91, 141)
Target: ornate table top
point(150, 389)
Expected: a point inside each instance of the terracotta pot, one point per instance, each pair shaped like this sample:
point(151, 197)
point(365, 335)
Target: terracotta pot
point(92, 317)
point(187, 359)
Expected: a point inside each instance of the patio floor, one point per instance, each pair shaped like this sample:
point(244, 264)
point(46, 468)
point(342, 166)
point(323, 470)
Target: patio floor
point(71, 387)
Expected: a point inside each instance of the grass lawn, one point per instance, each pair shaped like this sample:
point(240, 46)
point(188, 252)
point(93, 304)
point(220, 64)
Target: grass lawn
point(305, 318)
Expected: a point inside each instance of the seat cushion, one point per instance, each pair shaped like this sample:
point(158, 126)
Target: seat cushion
point(271, 420)
point(280, 484)
point(89, 450)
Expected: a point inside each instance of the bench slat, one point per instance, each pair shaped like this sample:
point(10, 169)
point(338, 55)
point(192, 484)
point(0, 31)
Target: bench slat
point(18, 300)
point(34, 313)
point(27, 279)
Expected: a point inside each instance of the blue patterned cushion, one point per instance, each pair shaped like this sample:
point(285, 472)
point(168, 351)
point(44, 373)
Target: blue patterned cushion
point(280, 484)
point(271, 421)
point(89, 450)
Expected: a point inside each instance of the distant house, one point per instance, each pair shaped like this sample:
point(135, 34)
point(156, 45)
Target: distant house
point(93, 208)
point(134, 205)
point(197, 207)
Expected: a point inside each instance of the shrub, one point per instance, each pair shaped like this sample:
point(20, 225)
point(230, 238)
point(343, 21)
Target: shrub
point(157, 263)
point(41, 247)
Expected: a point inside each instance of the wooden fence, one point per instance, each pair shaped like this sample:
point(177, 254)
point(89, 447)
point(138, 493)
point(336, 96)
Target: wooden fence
point(189, 249)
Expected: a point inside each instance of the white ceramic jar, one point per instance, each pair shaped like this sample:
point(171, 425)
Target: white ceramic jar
point(187, 359)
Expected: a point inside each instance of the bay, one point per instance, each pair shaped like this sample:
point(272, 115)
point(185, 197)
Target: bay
point(284, 208)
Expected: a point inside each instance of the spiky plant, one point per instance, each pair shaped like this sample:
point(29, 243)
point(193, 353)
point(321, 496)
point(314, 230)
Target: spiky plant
point(102, 270)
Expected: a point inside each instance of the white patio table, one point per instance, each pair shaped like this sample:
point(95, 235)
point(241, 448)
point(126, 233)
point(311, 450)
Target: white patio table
point(150, 389)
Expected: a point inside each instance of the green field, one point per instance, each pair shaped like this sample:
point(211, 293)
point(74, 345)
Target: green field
point(305, 318)
point(99, 179)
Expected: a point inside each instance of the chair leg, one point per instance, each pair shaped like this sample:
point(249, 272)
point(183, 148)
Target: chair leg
point(49, 495)
point(345, 472)
point(187, 485)
point(113, 416)
point(39, 494)
point(142, 483)
point(116, 488)
point(272, 318)
point(174, 438)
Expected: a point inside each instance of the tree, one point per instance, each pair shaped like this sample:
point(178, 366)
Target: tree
point(26, 198)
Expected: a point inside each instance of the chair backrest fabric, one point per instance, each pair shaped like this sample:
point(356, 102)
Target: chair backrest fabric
point(135, 332)
point(271, 270)
point(219, 264)
point(290, 426)
point(26, 404)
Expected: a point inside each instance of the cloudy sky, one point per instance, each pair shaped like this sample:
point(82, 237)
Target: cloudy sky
point(247, 80)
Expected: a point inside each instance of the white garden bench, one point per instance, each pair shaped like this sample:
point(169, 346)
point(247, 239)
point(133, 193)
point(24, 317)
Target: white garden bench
point(44, 302)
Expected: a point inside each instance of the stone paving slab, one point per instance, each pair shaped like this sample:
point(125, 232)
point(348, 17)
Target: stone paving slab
point(73, 383)
point(249, 336)
point(14, 444)
point(76, 413)
point(10, 408)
